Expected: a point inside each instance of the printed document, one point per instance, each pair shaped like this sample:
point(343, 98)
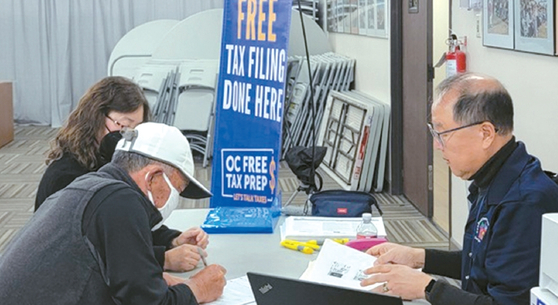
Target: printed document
point(339, 265)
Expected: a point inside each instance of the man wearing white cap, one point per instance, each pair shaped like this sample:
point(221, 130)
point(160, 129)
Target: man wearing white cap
point(182, 254)
point(91, 243)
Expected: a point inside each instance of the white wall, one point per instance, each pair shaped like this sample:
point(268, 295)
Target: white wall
point(372, 55)
point(372, 73)
point(440, 26)
point(532, 81)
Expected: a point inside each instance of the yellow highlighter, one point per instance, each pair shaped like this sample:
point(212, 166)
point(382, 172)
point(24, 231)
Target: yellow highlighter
point(341, 240)
point(294, 245)
point(320, 242)
point(311, 244)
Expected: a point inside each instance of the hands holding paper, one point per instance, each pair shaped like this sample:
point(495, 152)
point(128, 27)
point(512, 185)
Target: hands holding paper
point(395, 267)
point(390, 253)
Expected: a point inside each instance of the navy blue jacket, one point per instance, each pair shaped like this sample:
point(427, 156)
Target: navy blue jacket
point(501, 247)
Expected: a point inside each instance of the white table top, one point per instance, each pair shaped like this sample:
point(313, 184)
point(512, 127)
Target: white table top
point(240, 253)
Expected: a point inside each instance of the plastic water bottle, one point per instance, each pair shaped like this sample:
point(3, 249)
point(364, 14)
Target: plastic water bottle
point(366, 229)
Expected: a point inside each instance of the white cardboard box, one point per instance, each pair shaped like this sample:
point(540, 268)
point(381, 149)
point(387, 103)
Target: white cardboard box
point(541, 296)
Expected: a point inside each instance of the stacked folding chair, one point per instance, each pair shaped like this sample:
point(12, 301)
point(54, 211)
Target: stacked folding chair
point(156, 81)
point(329, 71)
point(195, 110)
point(183, 95)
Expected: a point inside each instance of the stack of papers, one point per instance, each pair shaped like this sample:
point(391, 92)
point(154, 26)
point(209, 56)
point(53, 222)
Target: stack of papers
point(307, 228)
point(341, 266)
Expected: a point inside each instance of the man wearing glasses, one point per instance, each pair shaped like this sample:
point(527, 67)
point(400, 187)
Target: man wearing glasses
point(472, 124)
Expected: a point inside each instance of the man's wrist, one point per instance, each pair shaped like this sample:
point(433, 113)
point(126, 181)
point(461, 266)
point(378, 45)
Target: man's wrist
point(174, 242)
point(191, 283)
point(420, 257)
point(428, 289)
point(166, 265)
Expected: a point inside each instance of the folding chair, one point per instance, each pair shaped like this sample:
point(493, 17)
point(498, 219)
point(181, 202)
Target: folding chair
point(195, 106)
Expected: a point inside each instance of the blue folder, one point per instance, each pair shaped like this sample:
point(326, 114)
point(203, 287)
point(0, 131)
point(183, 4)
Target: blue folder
point(241, 220)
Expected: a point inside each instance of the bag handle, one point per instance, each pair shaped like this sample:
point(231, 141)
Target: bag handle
point(375, 203)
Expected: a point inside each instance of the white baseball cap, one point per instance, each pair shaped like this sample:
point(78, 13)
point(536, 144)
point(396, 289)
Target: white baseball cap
point(166, 144)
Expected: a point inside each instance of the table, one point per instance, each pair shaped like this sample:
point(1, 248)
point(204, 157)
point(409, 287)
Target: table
point(240, 253)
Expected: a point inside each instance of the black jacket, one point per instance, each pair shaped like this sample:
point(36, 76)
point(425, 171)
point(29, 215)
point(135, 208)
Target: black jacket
point(57, 176)
point(63, 171)
point(90, 243)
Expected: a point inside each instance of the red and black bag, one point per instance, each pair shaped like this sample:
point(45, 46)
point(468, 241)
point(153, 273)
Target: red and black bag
point(342, 203)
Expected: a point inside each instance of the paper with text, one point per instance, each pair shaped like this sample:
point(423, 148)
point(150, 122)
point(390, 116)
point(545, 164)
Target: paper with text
point(237, 292)
point(340, 265)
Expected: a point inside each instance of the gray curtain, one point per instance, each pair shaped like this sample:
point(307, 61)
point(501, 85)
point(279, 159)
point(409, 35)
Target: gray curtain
point(54, 50)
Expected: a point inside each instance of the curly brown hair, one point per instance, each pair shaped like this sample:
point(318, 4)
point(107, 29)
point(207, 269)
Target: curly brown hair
point(86, 123)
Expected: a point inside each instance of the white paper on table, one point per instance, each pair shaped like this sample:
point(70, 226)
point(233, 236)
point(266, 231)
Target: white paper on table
point(339, 265)
point(236, 292)
point(305, 228)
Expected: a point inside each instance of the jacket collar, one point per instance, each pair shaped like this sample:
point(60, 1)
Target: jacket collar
point(484, 176)
point(508, 174)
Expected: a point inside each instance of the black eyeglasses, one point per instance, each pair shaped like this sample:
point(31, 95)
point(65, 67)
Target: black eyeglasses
point(438, 135)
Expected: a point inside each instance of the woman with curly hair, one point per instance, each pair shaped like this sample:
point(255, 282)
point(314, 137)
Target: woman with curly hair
point(87, 139)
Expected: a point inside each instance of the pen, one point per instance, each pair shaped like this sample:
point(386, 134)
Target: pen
point(202, 257)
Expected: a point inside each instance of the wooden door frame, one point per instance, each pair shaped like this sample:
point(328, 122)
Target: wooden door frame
point(396, 45)
point(398, 8)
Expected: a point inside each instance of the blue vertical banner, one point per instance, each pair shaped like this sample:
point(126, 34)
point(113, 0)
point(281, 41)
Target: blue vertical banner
point(249, 106)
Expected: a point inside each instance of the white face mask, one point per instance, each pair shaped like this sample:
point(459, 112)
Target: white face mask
point(170, 205)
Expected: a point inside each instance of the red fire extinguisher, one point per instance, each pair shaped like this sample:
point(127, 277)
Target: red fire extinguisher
point(456, 59)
